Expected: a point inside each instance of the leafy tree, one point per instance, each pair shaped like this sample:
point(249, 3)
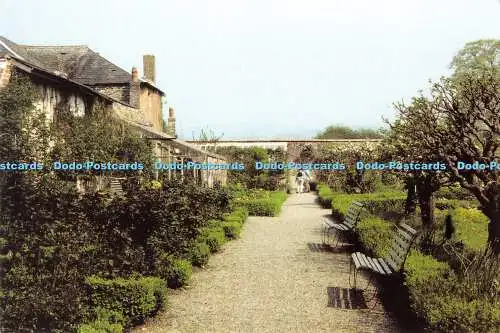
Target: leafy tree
point(401, 145)
point(477, 57)
point(345, 132)
point(351, 180)
point(460, 122)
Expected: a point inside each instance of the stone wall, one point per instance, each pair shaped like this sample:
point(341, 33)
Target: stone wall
point(118, 92)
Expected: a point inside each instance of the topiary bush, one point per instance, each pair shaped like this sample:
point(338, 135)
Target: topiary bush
point(136, 298)
point(200, 253)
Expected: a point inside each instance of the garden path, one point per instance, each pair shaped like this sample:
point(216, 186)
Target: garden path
point(275, 278)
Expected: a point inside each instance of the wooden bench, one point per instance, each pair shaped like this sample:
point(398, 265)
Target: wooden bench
point(348, 224)
point(404, 237)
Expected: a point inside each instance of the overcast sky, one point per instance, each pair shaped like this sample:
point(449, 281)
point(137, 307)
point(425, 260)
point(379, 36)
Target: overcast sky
point(268, 68)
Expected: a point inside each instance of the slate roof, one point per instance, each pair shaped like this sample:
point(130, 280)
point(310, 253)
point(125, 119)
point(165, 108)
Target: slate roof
point(78, 62)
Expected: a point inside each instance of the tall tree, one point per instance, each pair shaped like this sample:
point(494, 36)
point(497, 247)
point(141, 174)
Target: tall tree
point(477, 57)
point(461, 123)
point(401, 143)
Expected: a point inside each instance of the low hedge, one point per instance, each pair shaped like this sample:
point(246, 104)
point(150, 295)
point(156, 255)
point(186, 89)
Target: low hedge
point(375, 234)
point(239, 214)
point(325, 195)
point(265, 206)
point(107, 322)
point(135, 298)
point(439, 298)
point(444, 204)
point(377, 203)
point(471, 227)
point(100, 326)
point(231, 229)
point(213, 236)
point(200, 253)
point(177, 272)
point(454, 192)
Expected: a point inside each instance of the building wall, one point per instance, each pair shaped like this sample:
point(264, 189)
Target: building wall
point(5, 71)
point(118, 92)
point(52, 98)
point(151, 107)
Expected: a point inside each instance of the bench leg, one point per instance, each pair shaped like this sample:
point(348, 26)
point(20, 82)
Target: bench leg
point(324, 235)
point(353, 272)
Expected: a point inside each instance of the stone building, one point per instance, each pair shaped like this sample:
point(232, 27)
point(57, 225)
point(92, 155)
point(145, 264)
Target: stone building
point(79, 79)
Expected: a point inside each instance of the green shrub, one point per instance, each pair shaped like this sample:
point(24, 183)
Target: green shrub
point(239, 215)
point(214, 237)
point(232, 229)
point(444, 204)
point(100, 326)
point(177, 272)
point(107, 321)
point(200, 253)
point(471, 227)
point(375, 234)
point(376, 203)
point(261, 203)
point(454, 192)
point(420, 268)
point(267, 205)
point(136, 298)
point(325, 195)
point(443, 301)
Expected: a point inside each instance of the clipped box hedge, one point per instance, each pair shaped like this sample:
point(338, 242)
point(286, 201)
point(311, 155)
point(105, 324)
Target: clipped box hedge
point(200, 253)
point(239, 213)
point(375, 234)
point(265, 206)
point(177, 272)
point(213, 236)
point(325, 195)
point(378, 203)
point(444, 302)
point(107, 321)
point(135, 298)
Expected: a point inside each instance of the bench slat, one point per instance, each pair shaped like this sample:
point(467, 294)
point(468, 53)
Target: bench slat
point(340, 226)
point(408, 229)
point(391, 263)
point(395, 258)
point(400, 244)
point(375, 265)
point(404, 234)
point(385, 266)
point(356, 260)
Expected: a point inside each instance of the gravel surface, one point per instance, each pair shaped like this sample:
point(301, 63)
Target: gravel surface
point(272, 279)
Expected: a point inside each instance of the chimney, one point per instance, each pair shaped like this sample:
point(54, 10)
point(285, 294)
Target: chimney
point(171, 122)
point(135, 89)
point(149, 67)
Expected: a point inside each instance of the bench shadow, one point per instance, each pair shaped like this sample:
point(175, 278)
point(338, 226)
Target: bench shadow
point(318, 247)
point(345, 298)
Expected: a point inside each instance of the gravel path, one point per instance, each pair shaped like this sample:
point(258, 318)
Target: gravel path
point(272, 279)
